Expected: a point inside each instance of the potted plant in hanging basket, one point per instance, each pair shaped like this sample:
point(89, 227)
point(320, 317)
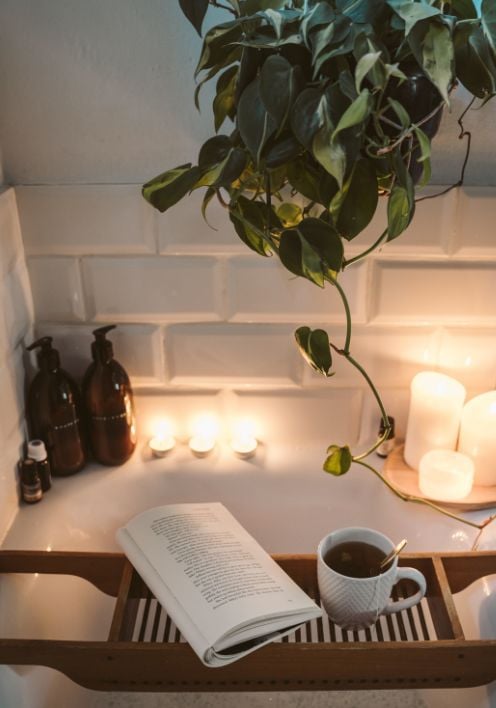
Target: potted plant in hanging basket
point(327, 107)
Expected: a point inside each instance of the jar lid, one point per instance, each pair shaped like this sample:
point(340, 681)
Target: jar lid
point(37, 450)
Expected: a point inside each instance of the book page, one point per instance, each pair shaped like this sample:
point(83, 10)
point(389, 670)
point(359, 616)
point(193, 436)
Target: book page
point(218, 572)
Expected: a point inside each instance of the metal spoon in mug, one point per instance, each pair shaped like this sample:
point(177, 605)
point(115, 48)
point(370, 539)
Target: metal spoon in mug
point(396, 551)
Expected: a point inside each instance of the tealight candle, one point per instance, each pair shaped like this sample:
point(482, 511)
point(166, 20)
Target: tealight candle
point(436, 404)
point(163, 441)
point(161, 446)
point(203, 440)
point(478, 436)
point(446, 475)
point(243, 441)
point(201, 445)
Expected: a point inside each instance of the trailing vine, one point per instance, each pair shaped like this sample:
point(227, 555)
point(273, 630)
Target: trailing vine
point(331, 105)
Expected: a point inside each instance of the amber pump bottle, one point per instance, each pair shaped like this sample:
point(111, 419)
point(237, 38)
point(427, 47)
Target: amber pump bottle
point(108, 400)
point(54, 410)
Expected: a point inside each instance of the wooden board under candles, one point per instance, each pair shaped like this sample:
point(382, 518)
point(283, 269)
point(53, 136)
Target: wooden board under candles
point(405, 479)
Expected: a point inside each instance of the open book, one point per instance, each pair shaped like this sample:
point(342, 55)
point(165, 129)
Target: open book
point(222, 590)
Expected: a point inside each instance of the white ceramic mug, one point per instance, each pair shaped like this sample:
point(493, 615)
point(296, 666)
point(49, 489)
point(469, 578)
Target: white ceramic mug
point(357, 603)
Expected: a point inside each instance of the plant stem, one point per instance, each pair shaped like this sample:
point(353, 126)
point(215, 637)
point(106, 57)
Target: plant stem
point(408, 133)
point(346, 353)
point(426, 502)
point(268, 200)
point(346, 349)
point(463, 134)
point(215, 3)
point(375, 245)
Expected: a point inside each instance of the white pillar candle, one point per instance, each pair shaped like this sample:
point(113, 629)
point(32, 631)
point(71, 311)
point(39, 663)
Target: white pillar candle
point(446, 475)
point(478, 437)
point(436, 403)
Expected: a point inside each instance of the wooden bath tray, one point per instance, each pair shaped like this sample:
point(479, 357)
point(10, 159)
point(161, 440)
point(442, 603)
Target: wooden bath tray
point(419, 648)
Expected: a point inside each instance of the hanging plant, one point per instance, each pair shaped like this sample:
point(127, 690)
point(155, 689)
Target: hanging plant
point(329, 105)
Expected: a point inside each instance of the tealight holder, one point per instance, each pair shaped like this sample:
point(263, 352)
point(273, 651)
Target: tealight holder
point(205, 431)
point(163, 441)
point(160, 447)
point(243, 442)
point(201, 446)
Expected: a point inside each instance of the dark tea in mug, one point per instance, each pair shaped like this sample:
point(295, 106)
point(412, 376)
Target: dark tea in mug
point(356, 559)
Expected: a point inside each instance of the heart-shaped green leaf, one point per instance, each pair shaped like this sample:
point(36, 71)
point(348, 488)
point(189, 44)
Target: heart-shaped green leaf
point(400, 211)
point(195, 11)
point(213, 151)
point(320, 15)
point(305, 117)
point(424, 147)
point(475, 60)
point(249, 219)
point(360, 200)
point(255, 123)
point(413, 12)
point(356, 113)
point(331, 154)
point(432, 46)
point(218, 44)
point(282, 150)
point(224, 103)
point(280, 83)
point(296, 254)
point(315, 348)
point(488, 15)
point(167, 189)
point(364, 65)
point(324, 240)
point(289, 214)
point(338, 460)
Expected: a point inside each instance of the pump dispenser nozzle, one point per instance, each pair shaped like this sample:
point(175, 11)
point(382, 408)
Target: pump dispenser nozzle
point(47, 356)
point(102, 348)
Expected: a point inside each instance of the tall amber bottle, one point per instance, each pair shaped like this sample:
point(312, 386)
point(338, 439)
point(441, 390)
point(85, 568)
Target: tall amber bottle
point(108, 401)
point(54, 409)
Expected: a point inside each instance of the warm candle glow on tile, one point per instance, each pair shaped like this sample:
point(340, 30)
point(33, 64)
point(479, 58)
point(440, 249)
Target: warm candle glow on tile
point(163, 441)
point(446, 475)
point(205, 431)
point(478, 436)
point(243, 441)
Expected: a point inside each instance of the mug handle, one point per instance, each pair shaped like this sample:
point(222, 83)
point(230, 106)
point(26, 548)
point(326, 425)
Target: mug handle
point(407, 574)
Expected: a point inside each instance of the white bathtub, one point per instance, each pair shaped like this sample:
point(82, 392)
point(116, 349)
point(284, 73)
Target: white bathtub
point(282, 497)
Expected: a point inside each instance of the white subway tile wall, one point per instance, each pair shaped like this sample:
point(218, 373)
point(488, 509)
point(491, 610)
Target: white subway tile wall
point(260, 290)
point(477, 220)
point(57, 289)
point(16, 319)
point(232, 354)
point(440, 292)
point(90, 218)
point(153, 289)
point(199, 313)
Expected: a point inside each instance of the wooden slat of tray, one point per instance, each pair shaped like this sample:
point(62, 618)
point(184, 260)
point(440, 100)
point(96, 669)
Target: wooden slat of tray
point(424, 648)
